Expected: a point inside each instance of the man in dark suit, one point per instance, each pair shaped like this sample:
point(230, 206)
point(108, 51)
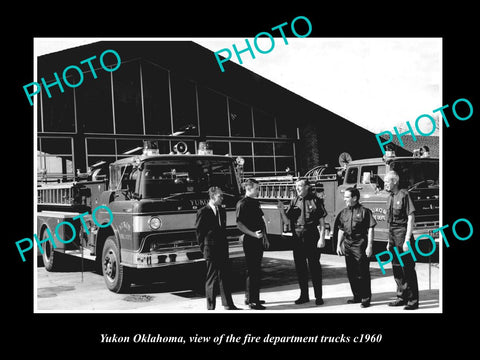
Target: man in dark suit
point(211, 236)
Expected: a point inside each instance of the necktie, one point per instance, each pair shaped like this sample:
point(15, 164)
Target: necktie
point(217, 212)
point(303, 212)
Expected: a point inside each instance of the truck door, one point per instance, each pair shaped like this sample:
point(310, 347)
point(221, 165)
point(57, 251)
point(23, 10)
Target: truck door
point(351, 179)
point(122, 205)
point(371, 196)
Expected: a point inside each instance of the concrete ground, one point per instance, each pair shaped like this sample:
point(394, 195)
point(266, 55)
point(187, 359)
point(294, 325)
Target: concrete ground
point(180, 289)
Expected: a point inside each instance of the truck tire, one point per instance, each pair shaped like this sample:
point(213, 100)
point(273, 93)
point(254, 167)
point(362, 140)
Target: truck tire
point(51, 259)
point(115, 274)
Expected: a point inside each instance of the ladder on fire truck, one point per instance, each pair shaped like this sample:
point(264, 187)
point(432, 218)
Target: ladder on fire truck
point(56, 194)
point(283, 187)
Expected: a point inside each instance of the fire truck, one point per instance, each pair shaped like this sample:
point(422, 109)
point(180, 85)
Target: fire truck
point(153, 199)
point(420, 175)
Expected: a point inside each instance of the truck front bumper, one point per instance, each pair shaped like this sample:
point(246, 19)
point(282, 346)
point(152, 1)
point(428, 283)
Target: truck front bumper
point(172, 256)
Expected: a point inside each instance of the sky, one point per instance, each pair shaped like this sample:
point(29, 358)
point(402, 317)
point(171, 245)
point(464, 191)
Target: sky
point(376, 83)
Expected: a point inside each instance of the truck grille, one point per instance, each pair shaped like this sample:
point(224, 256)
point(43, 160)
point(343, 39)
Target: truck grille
point(181, 239)
point(426, 204)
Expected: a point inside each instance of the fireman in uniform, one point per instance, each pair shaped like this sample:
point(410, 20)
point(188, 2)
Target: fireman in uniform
point(356, 227)
point(400, 219)
point(251, 223)
point(306, 216)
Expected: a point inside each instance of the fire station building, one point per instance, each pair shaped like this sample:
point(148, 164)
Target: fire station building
point(171, 91)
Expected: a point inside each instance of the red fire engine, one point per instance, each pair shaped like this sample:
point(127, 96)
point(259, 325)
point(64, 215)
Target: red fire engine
point(153, 199)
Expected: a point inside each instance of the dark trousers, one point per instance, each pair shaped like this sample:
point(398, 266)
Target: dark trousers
point(253, 249)
point(358, 269)
point(405, 276)
point(217, 277)
point(305, 250)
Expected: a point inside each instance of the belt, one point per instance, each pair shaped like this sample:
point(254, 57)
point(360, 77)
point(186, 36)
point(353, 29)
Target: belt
point(353, 241)
point(307, 226)
point(396, 227)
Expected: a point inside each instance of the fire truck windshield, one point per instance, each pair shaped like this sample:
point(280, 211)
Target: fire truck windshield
point(168, 177)
point(417, 173)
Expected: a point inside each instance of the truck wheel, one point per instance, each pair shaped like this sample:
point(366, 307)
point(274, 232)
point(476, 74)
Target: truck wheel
point(115, 275)
point(50, 257)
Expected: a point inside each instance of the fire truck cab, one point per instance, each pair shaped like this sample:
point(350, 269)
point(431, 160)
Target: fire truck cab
point(153, 198)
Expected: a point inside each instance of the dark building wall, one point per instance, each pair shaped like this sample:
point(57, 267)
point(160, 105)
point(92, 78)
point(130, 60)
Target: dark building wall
point(323, 136)
point(163, 86)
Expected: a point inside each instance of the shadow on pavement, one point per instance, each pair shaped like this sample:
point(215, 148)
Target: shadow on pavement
point(189, 280)
point(428, 299)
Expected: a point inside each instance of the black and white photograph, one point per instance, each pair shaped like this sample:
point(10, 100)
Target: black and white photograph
point(273, 181)
point(129, 151)
point(134, 135)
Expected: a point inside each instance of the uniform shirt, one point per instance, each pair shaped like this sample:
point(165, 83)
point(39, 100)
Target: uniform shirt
point(250, 214)
point(399, 206)
point(306, 211)
point(355, 222)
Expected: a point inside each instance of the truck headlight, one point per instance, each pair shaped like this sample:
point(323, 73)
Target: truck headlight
point(155, 223)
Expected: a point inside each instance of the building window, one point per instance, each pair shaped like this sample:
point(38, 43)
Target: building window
point(58, 111)
point(127, 99)
point(248, 165)
point(264, 161)
point(128, 147)
point(100, 152)
point(284, 158)
point(263, 149)
point(213, 113)
point(264, 124)
point(184, 105)
point(240, 119)
point(55, 159)
point(284, 165)
point(264, 165)
point(94, 104)
point(109, 150)
point(283, 149)
point(286, 128)
point(156, 99)
point(219, 147)
point(101, 146)
point(100, 162)
point(241, 148)
point(244, 150)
